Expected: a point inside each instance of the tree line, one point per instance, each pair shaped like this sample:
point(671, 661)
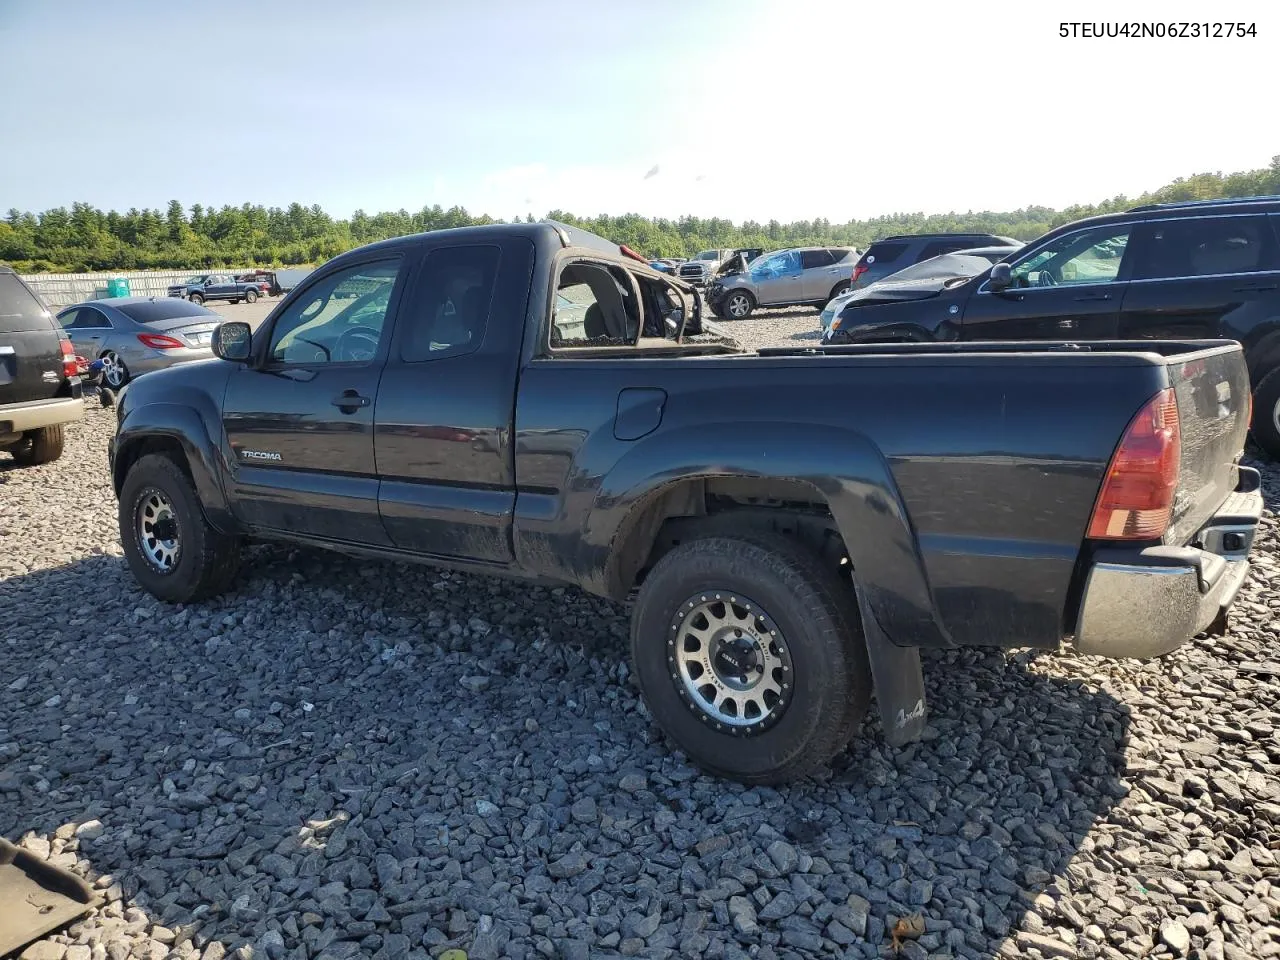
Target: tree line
point(85, 239)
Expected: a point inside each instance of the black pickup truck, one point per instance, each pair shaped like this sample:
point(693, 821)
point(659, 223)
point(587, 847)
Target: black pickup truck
point(793, 525)
point(214, 286)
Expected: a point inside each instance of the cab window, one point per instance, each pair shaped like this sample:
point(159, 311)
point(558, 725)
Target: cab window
point(594, 307)
point(1085, 257)
point(775, 265)
point(1205, 247)
point(339, 319)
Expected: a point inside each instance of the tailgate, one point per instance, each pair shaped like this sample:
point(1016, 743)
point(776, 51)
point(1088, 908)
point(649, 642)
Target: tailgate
point(1212, 389)
point(30, 351)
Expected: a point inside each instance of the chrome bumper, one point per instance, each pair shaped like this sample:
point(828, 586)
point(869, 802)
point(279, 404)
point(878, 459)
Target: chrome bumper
point(21, 417)
point(1152, 601)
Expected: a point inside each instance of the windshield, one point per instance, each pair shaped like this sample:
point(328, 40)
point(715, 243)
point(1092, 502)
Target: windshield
point(196, 279)
point(708, 255)
point(947, 265)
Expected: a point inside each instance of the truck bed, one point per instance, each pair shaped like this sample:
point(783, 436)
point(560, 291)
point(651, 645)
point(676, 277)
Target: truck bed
point(962, 476)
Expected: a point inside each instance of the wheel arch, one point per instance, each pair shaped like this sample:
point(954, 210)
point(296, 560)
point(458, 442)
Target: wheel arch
point(177, 432)
point(829, 487)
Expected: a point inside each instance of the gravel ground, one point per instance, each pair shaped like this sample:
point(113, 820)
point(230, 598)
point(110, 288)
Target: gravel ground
point(345, 758)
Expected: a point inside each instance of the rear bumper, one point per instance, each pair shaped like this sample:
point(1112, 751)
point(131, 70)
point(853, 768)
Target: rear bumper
point(1146, 603)
point(21, 417)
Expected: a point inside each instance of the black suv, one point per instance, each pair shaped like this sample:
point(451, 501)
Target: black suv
point(40, 390)
point(892, 254)
point(1174, 271)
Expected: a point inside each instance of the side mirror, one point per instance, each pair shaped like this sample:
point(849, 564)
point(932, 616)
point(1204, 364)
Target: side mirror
point(233, 341)
point(1001, 277)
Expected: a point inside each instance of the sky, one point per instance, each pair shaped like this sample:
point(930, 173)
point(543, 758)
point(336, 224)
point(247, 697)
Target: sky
point(747, 109)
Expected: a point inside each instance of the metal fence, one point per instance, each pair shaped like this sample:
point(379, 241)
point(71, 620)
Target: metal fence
point(60, 289)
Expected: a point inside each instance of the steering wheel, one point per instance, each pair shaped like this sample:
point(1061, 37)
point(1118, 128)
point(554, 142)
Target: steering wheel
point(1045, 279)
point(356, 345)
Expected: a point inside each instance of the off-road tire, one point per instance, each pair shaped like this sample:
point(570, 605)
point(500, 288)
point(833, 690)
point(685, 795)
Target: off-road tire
point(816, 612)
point(208, 561)
point(1266, 415)
point(40, 446)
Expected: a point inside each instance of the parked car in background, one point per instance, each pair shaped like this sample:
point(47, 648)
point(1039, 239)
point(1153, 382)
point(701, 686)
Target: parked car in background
point(665, 265)
point(40, 389)
point(701, 270)
point(920, 280)
point(892, 254)
point(795, 527)
point(261, 281)
point(275, 283)
point(214, 286)
point(804, 275)
point(1193, 270)
point(135, 335)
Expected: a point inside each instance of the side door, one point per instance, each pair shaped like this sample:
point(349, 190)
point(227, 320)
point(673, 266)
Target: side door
point(220, 288)
point(818, 273)
point(443, 421)
point(1069, 288)
point(88, 329)
point(1201, 278)
point(778, 277)
point(299, 417)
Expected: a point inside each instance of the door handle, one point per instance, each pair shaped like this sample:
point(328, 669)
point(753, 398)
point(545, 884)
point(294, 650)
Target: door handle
point(1094, 298)
point(349, 400)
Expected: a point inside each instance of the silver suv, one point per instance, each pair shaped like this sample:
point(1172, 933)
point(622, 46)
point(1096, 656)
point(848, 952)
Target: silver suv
point(784, 278)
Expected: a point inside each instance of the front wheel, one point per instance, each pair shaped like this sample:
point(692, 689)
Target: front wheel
point(1266, 414)
point(749, 654)
point(171, 549)
point(738, 305)
point(196, 298)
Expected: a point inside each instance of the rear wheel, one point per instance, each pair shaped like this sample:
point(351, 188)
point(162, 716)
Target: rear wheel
point(114, 373)
point(839, 289)
point(738, 305)
point(1266, 414)
point(749, 654)
point(172, 550)
point(40, 446)
point(250, 297)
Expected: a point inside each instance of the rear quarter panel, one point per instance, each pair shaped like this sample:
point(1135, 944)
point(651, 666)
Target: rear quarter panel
point(962, 485)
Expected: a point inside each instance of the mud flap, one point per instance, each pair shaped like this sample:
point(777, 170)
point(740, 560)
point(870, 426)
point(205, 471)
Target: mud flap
point(898, 678)
point(36, 897)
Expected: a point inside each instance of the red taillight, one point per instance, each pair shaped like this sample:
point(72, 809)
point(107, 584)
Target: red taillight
point(1137, 494)
point(70, 367)
point(159, 341)
point(858, 271)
